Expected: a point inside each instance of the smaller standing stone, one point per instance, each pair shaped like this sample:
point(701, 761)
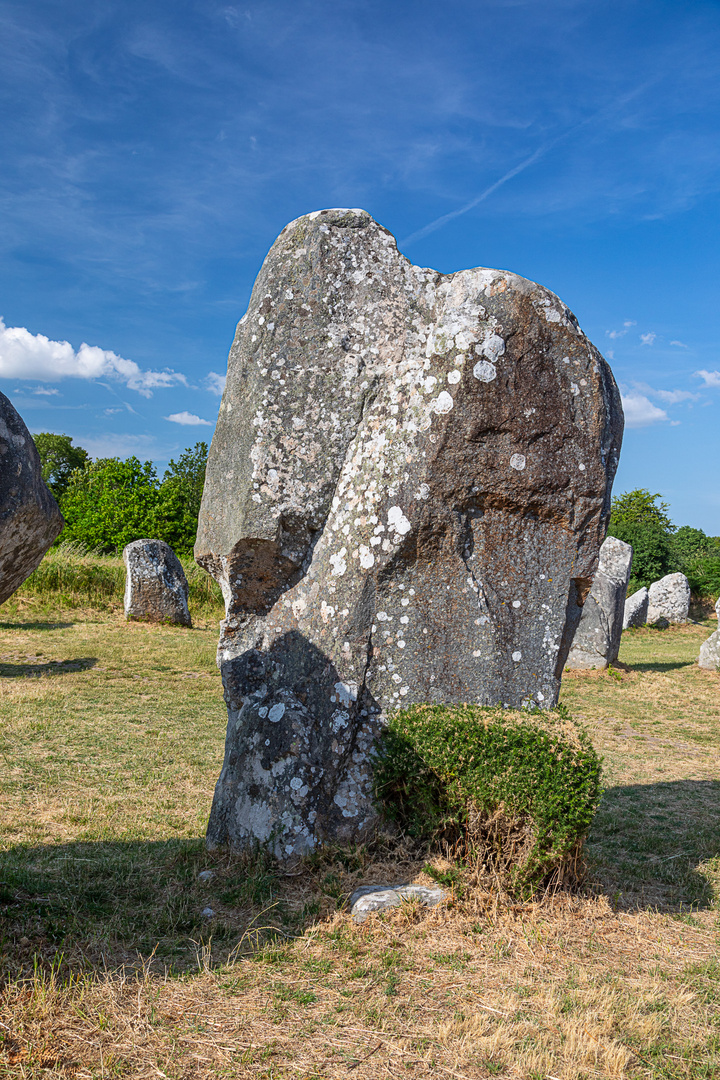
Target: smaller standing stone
point(597, 639)
point(636, 609)
point(710, 649)
point(669, 598)
point(156, 589)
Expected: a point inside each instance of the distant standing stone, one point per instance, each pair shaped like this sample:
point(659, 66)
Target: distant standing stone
point(710, 649)
point(669, 598)
point(636, 609)
point(597, 638)
point(405, 497)
point(30, 519)
point(156, 589)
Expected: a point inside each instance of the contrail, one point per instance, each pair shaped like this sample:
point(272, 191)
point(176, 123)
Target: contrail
point(439, 222)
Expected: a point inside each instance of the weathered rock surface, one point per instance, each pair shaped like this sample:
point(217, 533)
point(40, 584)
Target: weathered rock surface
point(156, 589)
point(669, 598)
point(405, 498)
point(30, 519)
point(597, 639)
point(370, 898)
point(636, 609)
point(710, 649)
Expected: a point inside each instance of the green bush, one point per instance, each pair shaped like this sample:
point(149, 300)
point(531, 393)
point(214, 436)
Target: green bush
point(517, 789)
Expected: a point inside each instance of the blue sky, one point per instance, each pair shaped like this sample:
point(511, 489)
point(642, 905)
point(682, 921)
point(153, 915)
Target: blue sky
point(153, 151)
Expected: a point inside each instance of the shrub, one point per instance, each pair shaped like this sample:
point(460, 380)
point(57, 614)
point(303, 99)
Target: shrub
point(110, 502)
point(517, 789)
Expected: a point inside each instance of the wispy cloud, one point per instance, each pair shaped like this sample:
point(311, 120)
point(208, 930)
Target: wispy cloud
point(445, 218)
point(621, 333)
point(640, 411)
point(34, 356)
point(214, 383)
point(648, 339)
point(669, 397)
point(680, 344)
point(187, 418)
point(709, 378)
point(600, 114)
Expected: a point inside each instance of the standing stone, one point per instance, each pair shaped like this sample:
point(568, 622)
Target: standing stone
point(710, 649)
point(669, 598)
point(156, 589)
point(597, 639)
point(30, 519)
point(404, 501)
point(636, 609)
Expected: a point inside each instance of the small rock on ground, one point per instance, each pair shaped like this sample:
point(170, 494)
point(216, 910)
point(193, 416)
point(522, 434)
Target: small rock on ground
point(377, 897)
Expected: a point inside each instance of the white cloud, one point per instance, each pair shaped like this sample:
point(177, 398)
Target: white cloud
point(647, 339)
point(34, 356)
point(640, 411)
point(118, 445)
point(680, 344)
point(46, 391)
point(710, 378)
point(672, 397)
point(215, 383)
point(610, 353)
point(187, 418)
point(621, 333)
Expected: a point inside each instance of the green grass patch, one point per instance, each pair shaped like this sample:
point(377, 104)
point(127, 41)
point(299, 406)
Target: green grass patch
point(518, 789)
point(72, 577)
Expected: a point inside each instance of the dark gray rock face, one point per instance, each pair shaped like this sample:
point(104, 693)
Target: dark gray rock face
point(30, 519)
point(156, 589)
point(636, 609)
point(597, 639)
point(406, 493)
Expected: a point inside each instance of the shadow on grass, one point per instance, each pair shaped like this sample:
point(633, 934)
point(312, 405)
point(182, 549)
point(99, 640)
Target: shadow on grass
point(105, 904)
point(658, 845)
point(660, 665)
point(51, 667)
point(35, 625)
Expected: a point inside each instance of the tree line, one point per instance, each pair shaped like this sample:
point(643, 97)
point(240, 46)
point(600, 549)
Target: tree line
point(109, 502)
point(660, 547)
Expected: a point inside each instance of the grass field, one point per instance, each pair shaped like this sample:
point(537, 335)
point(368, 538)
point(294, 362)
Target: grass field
point(111, 739)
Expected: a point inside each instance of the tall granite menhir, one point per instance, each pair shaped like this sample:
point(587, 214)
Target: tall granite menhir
point(407, 489)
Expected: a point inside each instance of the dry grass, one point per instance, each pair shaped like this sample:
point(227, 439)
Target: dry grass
point(111, 740)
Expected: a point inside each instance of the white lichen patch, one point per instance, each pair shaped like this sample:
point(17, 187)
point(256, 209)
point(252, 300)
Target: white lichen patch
point(397, 522)
point(517, 461)
point(484, 371)
point(443, 403)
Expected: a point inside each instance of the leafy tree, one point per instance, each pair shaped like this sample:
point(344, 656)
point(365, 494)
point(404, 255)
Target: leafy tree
point(111, 502)
point(179, 499)
point(690, 544)
point(59, 458)
point(698, 556)
point(641, 519)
